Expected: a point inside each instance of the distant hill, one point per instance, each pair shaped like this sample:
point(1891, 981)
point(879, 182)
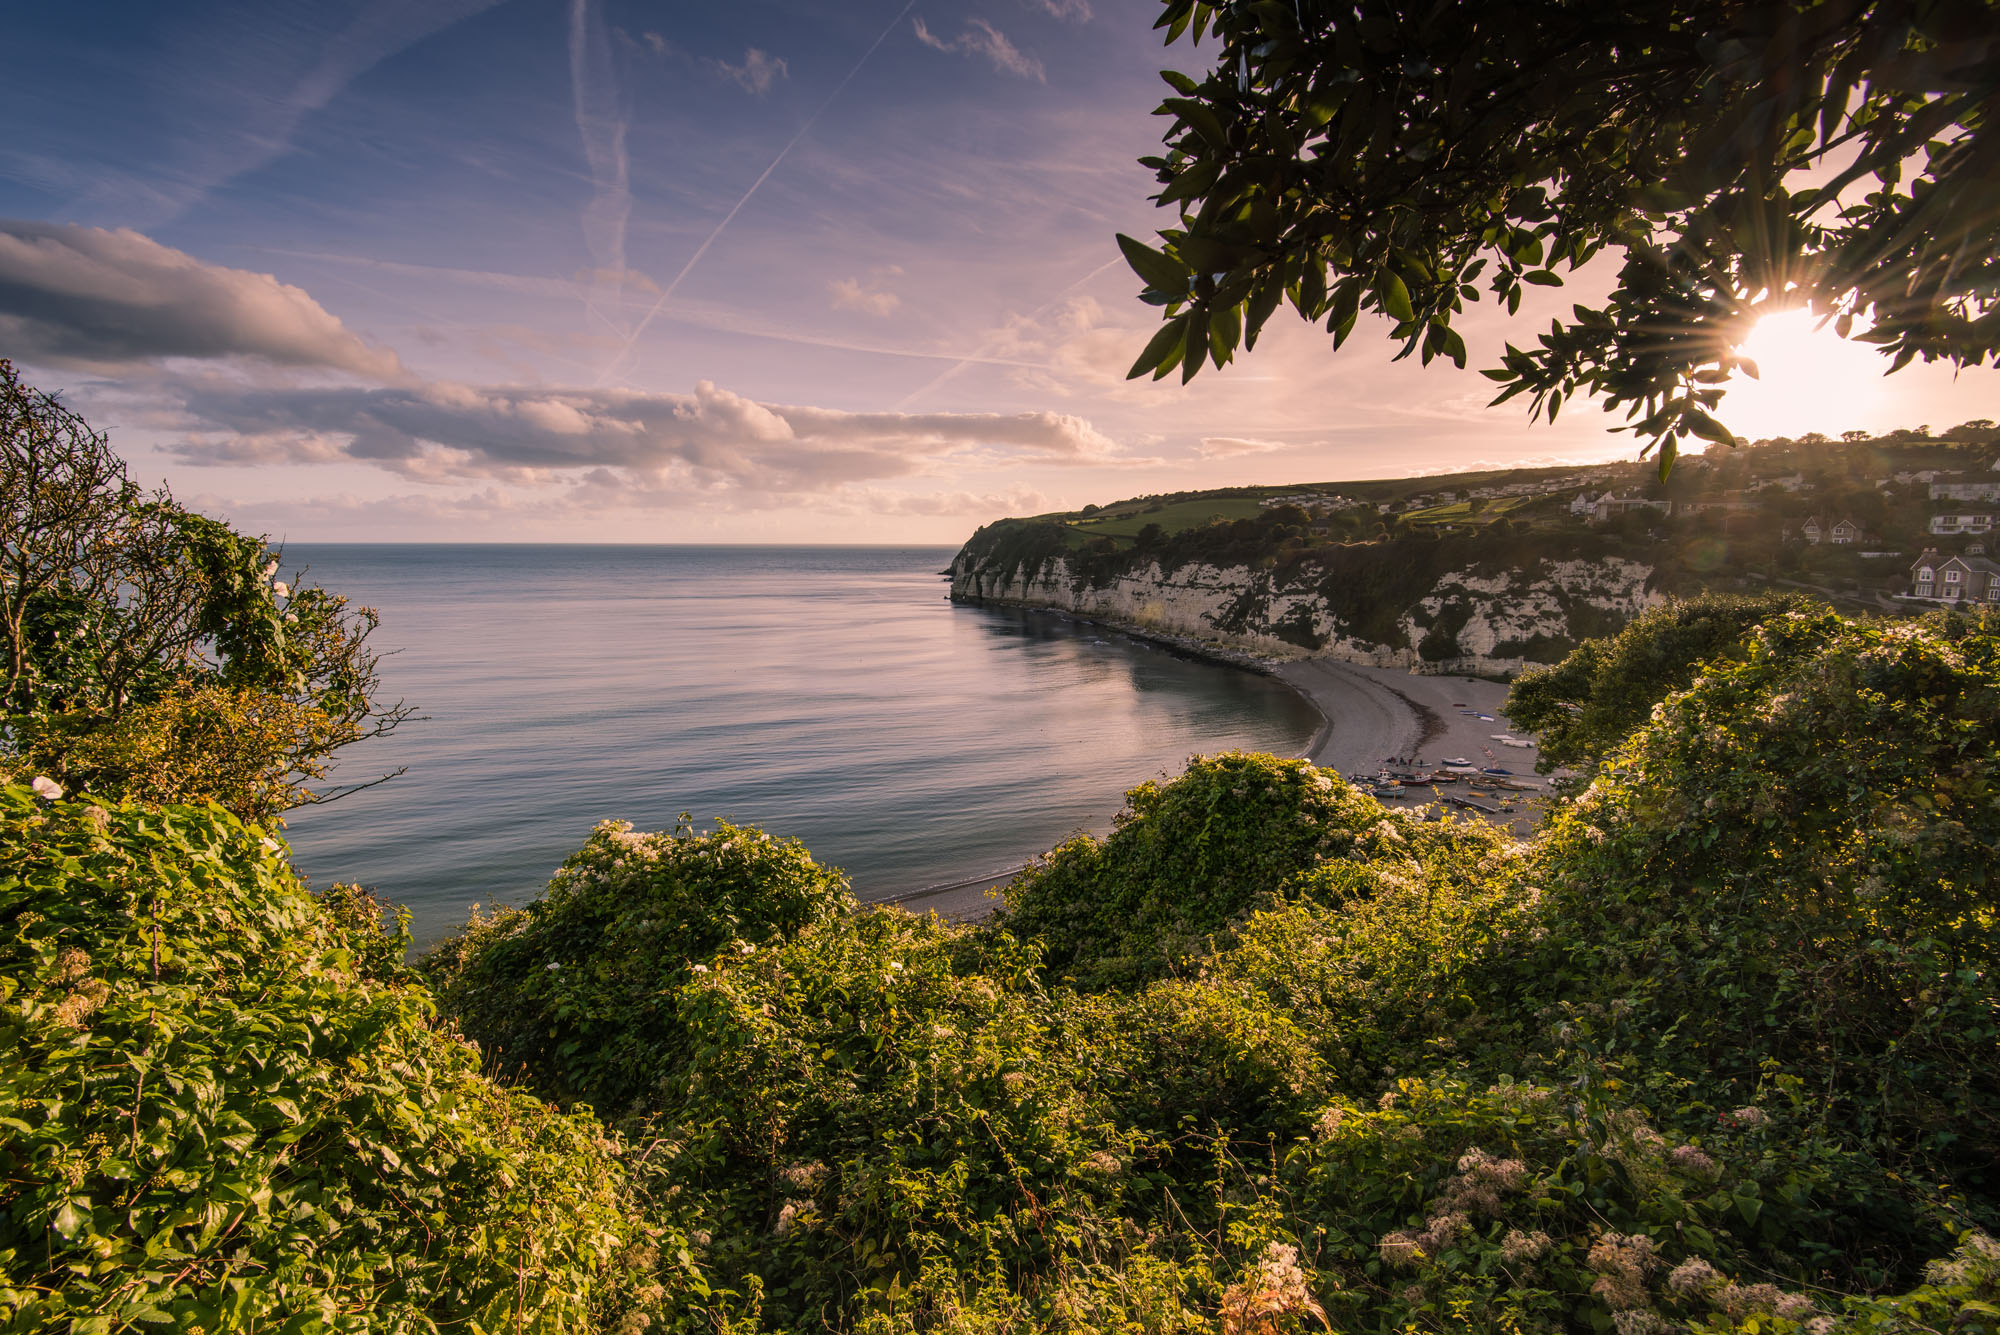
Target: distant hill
point(1492, 571)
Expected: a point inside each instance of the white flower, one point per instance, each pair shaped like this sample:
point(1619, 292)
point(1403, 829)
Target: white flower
point(895, 964)
point(282, 589)
point(47, 787)
point(270, 845)
point(701, 968)
point(552, 967)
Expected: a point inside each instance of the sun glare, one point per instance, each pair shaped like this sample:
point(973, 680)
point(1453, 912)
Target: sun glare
point(1810, 379)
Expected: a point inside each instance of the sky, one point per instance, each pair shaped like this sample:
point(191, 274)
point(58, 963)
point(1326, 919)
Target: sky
point(592, 270)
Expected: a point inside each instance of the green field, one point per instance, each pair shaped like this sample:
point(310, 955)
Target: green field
point(1124, 523)
point(1468, 512)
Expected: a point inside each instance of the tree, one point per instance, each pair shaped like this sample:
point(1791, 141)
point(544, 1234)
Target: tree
point(149, 650)
point(1388, 156)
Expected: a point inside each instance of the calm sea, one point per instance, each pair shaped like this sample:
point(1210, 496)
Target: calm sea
point(831, 694)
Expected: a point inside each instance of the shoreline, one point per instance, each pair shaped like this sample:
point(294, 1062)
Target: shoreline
point(1367, 716)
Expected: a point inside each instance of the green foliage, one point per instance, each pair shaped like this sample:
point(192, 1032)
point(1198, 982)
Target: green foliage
point(1794, 863)
point(148, 650)
point(1394, 158)
point(1717, 1051)
point(1187, 859)
point(1590, 702)
point(224, 1106)
point(570, 989)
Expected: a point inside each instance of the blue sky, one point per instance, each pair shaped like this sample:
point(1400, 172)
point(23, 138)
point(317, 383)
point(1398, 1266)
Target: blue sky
point(589, 270)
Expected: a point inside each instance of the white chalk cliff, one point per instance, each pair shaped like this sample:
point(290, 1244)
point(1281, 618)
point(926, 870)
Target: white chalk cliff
point(1484, 619)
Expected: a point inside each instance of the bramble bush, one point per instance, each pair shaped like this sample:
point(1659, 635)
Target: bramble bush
point(1191, 857)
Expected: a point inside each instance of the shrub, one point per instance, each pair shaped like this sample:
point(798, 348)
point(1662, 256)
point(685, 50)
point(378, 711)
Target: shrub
point(223, 1106)
point(575, 988)
point(1188, 858)
point(1793, 864)
point(1583, 706)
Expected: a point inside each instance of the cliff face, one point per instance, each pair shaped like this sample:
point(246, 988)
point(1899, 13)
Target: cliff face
point(1487, 617)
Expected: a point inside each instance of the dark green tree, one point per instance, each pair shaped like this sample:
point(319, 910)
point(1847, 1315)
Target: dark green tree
point(150, 651)
point(1393, 157)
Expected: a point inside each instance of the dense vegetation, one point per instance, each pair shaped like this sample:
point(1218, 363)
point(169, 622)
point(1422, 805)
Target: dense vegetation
point(154, 651)
point(1717, 1050)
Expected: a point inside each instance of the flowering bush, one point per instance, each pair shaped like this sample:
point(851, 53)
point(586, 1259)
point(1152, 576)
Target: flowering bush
point(1794, 864)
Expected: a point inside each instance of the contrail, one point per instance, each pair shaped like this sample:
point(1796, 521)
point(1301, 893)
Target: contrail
point(979, 354)
point(727, 218)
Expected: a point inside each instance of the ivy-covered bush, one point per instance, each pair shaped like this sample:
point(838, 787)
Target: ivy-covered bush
point(575, 989)
point(1187, 859)
point(224, 1106)
point(1795, 863)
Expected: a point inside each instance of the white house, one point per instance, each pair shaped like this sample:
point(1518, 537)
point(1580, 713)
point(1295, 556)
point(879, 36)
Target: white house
point(1845, 533)
point(1965, 491)
point(1609, 506)
point(1947, 524)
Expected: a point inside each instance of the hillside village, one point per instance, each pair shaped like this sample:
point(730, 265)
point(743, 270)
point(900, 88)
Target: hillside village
point(1893, 522)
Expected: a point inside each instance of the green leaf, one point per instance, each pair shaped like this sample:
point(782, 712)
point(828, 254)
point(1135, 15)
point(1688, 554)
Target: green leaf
point(1542, 278)
point(1395, 297)
point(1701, 424)
point(1157, 268)
point(1167, 340)
point(1225, 327)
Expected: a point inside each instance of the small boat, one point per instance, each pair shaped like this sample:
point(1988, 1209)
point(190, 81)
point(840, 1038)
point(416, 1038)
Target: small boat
point(1458, 761)
point(1444, 776)
point(1497, 770)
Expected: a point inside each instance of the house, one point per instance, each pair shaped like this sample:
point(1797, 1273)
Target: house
point(1608, 507)
point(1813, 531)
point(1967, 578)
point(1965, 491)
point(1946, 524)
point(1845, 533)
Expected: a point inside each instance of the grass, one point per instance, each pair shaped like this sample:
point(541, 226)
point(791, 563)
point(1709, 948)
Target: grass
point(1171, 519)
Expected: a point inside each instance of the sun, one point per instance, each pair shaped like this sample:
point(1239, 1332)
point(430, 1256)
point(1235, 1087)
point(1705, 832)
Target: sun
point(1809, 379)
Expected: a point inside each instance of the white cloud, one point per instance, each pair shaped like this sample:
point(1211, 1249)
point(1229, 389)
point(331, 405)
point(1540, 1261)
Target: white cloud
point(102, 300)
point(981, 38)
point(1070, 11)
point(871, 297)
point(758, 71)
point(444, 431)
point(1233, 447)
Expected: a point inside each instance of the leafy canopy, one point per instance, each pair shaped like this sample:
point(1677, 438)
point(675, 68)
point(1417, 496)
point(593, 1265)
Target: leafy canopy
point(1392, 157)
point(148, 650)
